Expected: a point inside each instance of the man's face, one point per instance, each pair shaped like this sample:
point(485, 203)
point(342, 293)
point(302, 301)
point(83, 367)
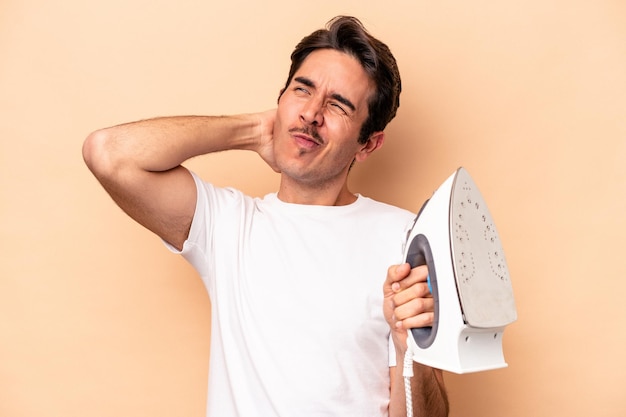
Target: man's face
point(319, 118)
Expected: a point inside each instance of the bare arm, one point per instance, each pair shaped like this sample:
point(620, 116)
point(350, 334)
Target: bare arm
point(429, 396)
point(139, 164)
point(407, 304)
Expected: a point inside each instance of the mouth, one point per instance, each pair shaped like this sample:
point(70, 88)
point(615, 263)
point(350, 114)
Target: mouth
point(305, 138)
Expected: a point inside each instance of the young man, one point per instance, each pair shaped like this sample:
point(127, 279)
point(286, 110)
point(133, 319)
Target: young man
point(303, 323)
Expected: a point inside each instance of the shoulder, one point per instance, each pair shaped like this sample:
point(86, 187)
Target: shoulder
point(384, 216)
point(218, 196)
point(375, 206)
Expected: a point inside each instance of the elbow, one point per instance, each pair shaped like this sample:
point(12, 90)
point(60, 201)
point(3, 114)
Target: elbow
point(98, 153)
point(91, 147)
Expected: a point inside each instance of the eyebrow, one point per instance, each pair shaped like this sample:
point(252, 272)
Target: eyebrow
point(309, 83)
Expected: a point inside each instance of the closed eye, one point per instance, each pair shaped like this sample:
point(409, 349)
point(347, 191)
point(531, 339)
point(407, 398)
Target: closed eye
point(338, 107)
point(339, 102)
point(344, 102)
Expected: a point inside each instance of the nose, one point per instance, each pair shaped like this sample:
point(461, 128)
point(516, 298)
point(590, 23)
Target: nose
point(312, 112)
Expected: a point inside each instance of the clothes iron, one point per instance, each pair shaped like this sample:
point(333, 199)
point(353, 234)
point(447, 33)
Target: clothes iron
point(455, 236)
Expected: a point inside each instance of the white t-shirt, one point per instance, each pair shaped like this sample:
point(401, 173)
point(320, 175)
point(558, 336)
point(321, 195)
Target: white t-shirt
point(296, 296)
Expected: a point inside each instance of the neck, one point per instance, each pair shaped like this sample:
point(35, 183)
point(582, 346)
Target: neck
point(319, 195)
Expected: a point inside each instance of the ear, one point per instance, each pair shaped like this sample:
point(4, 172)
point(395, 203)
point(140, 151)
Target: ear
point(374, 142)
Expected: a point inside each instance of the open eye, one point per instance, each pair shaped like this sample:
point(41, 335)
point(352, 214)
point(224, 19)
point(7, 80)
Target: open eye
point(300, 90)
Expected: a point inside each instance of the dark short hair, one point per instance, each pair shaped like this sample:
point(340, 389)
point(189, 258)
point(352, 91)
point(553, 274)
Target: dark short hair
point(347, 34)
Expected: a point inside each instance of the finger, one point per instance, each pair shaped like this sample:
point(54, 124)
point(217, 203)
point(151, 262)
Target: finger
point(415, 291)
point(396, 273)
point(416, 275)
point(414, 322)
point(414, 308)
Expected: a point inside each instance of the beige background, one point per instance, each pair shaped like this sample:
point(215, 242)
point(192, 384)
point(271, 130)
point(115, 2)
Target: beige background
point(98, 319)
